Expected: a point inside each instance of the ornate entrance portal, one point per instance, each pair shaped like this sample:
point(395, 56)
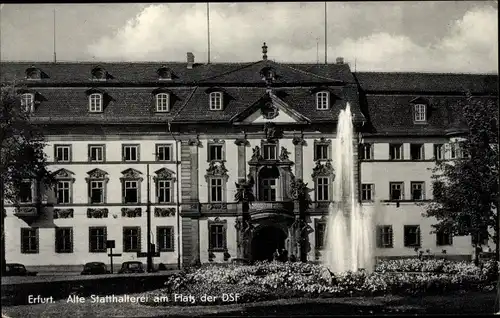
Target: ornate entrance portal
point(265, 242)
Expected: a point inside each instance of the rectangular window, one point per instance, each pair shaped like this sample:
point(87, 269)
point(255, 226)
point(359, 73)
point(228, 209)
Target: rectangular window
point(26, 192)
point(28, 102)
point(96, 153)
point(62, 153)
point(96, 192)
point(97, 239)
point(455, 150)
point(131, 239)
point(29, 240)
point(463, 151)
point(322, 189)
point(162, 102)
point(412, 235)
point(417, 151)
point(164, 191)
point(268, 189)
point(163, 152)
point(397, 190)
point(216, 190)
point(216, 101)
point(63, 189)
point(420, 113)
point(396, 151)
point(215, 152)
point(131, 152)
point(95, 103)
point(444, 237)
point(165, 237)
point(417, 191)
point(367, 192)
point(64, 240)
point(365, 151)
point(322, 100)
point(131, 191)
point(320, 235)
point(384, 236)
point(269, 152)
point(438, 151)
point(321, 152)
point(217, 238)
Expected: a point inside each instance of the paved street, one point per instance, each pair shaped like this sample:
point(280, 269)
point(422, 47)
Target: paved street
point(47, 276)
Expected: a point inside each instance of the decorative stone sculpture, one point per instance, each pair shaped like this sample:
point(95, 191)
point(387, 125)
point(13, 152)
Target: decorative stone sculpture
point(284, 154)
point(63, 213)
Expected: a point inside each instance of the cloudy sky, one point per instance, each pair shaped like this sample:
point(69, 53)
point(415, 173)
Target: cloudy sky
point(447, 36)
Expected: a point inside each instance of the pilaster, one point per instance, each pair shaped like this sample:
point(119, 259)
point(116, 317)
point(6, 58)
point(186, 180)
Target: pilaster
point(299, 143)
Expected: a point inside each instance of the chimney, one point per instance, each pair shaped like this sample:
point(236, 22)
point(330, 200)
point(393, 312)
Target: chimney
point(339, 60)
point(190, 60)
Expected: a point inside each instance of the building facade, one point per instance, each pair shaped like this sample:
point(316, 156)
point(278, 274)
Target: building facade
point(183, 141)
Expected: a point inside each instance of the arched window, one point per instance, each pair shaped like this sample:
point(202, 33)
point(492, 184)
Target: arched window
point(322, 100)
point(162, 102)
point(216, 101)
point(28, 102)
point(95, 103)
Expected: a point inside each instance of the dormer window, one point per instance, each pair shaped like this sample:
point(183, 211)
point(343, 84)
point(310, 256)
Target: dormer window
point(95, 102)
point(268, 74)
point(99, 74)
point(420, 114)
point(162, 102)
point(28, 102)
point(322, 100)
point(164, 73)
point(216, 101)
point(34, 73)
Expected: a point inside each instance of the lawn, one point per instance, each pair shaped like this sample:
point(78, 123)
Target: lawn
point(456, 303)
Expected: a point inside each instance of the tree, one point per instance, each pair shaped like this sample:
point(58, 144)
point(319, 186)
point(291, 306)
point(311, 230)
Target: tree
point(21, 152)
point(465, 190)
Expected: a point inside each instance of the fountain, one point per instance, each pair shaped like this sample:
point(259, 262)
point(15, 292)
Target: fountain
point(349, 232)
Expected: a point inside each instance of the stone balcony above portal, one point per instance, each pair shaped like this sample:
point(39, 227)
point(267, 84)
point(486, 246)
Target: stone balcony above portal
point(271, 206)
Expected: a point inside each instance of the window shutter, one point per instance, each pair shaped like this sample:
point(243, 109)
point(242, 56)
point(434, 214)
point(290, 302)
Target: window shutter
point(406, 236)
point(124, 236)
point(224, 236)
point(139, 241)
point(379, 236)
point(89, 190)
point(419, 241)
point(123, 191)
point(391, 237)
point(172, 237)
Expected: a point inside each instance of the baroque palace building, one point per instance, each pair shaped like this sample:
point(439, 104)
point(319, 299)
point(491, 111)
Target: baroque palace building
point(191, 136)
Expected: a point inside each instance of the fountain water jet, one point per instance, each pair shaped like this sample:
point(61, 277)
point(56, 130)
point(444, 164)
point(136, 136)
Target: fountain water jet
point(349, 233)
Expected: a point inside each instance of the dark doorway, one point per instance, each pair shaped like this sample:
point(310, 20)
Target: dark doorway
point(266, 241)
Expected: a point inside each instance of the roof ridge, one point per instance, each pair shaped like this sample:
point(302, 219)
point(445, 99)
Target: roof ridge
point(305, 72)
point(229, 72)
point(424, 73)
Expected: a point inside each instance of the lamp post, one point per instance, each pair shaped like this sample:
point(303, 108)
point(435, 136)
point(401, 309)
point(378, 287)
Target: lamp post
point(149, 261)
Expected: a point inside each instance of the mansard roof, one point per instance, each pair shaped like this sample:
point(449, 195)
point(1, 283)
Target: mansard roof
point(393, 114)
point(78, 73)
point(443, 83)
point(383, 101)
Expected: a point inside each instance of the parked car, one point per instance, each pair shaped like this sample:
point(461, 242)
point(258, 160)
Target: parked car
point(16, 269)
point(131, 267)
point(95, 268)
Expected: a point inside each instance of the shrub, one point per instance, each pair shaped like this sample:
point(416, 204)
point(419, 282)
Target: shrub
point(273, 280)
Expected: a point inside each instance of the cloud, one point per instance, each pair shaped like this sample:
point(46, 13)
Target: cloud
point(294, 33)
